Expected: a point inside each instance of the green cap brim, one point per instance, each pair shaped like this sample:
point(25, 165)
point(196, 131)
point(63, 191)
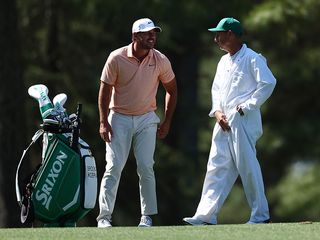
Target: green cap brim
point(216, 30)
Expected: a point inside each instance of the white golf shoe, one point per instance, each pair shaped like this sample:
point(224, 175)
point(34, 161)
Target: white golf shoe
point(104, 223)
point(145, 221)
point(195, 222)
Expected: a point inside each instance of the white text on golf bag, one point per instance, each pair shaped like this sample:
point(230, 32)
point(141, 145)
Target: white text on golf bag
point(44, 196)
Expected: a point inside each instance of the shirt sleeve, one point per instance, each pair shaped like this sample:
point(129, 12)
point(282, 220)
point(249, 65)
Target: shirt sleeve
point(110, 71)
point(265, 84)
point(166, 72)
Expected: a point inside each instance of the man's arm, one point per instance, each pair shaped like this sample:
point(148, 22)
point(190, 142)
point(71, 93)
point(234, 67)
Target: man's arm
point(265, 85)
point(170, 106)
point(103, 105)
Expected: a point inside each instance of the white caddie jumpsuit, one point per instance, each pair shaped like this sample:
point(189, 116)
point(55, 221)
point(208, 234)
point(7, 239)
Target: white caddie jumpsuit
point(245, 80)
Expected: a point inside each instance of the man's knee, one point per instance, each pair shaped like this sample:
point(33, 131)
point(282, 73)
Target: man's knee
point(145, 169)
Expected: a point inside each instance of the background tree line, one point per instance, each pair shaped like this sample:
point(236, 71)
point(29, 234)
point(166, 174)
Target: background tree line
point(64, 45)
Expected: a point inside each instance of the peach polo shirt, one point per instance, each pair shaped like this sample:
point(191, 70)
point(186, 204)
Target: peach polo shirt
point(135, 83)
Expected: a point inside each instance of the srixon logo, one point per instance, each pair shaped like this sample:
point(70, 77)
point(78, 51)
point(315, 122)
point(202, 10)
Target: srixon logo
point(44, 194)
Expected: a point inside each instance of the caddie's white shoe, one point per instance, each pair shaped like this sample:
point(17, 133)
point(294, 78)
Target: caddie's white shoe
point(104, 223)
point(145, 221)
point(195, 222)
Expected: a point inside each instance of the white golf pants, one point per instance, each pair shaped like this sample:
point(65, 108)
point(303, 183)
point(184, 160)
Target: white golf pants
point(233, 153)
point(140, 133)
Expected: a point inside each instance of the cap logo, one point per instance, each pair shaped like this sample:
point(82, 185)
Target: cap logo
point(143, 26)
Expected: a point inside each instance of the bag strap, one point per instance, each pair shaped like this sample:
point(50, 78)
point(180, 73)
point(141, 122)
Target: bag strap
point(33, 140)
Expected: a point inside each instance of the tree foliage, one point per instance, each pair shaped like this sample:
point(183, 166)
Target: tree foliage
point(287, 30)
point(12, 97)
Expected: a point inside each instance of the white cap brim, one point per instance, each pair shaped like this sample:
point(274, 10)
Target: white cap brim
point(147, 29)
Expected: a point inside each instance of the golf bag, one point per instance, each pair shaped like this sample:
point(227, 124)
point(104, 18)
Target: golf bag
point(63, 188)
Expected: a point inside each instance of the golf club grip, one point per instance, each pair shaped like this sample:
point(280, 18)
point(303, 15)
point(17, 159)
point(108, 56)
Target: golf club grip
point(76, 129)
point(79, 110)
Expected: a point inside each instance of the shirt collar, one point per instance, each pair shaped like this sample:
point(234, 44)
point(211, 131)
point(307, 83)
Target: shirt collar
point(130, 51)
point(242, 49)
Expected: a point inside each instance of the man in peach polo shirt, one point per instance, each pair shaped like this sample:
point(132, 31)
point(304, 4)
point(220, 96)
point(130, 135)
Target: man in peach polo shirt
point(127, 101)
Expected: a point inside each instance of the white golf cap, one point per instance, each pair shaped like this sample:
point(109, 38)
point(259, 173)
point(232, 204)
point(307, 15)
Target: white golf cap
point(144, 25)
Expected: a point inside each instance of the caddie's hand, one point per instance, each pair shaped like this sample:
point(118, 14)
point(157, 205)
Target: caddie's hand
point(222, 120)
point(105, 132)
point(163, 130)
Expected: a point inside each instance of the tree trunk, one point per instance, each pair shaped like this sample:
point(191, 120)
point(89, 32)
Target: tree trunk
point(12, 100)
point(186, 127)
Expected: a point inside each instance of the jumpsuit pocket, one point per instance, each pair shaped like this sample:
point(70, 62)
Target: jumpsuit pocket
point(253, 124)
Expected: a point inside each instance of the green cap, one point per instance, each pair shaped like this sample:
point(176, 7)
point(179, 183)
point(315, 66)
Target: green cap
point(228, 24)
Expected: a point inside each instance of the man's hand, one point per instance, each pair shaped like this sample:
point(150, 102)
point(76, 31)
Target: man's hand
point(222, 120)
point(163, 130)
point(105, 132)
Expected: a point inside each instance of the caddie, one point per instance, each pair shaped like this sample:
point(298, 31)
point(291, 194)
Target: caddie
point(242, 83)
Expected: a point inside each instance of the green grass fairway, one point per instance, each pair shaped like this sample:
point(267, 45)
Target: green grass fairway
point(281, 231)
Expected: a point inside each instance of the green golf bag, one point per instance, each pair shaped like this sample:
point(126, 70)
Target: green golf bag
point(63, 188)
